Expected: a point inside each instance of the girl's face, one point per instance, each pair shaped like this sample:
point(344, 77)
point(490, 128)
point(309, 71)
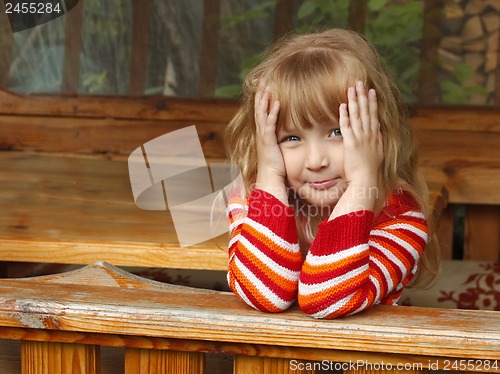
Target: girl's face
point(314, 162)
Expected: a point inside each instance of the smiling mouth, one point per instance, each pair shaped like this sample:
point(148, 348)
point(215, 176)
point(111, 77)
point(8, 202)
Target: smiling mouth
point(323, 185)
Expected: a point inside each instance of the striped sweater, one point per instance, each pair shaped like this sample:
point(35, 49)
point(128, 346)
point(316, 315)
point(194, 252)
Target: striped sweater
point(355, 261)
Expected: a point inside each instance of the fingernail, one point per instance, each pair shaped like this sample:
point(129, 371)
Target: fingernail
point(372, 92)
point(352, 92)
point(360, 84)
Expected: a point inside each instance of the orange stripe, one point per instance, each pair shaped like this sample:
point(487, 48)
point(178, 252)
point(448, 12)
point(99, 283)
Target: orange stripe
point(282, 252)
point(315, 297)
point(319, 269)
point(284, 283)
point(253, 290)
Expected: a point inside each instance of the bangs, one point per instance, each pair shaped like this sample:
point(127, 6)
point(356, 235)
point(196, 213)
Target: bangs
point(311, 85)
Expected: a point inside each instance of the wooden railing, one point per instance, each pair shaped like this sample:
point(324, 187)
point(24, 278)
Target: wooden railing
point(63, 320)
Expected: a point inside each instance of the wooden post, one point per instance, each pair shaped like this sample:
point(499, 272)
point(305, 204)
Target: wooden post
point(482, 232)
point(72, 50)
point(59, 358)
point(209, 48)
point(151, 361)
point(283, 18)
point(140, 47)
point(5, 47)
point(445, 233)
point(269, 365)
point(357, 15)
point(497, 76)
point(431, 36)
point(392, 371)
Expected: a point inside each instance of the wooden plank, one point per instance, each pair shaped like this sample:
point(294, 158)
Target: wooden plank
point(497, 78)
point(6, 41)
point(209, 54)
point(250, 349)
point(269, 365)
point(140, 48)
point(445, 233)
point(72, 49)
point(283, 18)
point(462, 161)
point(153, 361)
point(59, 358)
point(482, 233)
point(171, 312)
point(438, 201)
point(358, 13)
point(82, 210)
point(217, 110)
point(380, 371)
point(100, 136)
point(158, 108)
point(429, 63)
point(462, 173)
point(450, 118)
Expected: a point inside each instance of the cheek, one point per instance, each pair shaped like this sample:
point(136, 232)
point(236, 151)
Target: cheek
point(292, 162)
point(338, 156)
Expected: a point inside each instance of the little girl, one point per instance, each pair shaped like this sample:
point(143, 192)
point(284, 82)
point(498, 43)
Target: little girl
point(334, 210)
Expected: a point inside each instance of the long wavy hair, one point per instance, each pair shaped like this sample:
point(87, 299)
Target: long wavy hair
point(309, 75)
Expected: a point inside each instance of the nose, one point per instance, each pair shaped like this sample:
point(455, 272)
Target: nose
point(317, 157)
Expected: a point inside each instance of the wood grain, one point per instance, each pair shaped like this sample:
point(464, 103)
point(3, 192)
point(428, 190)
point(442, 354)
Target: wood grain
point(146, 361)
point(59, 358)
point(81, 210)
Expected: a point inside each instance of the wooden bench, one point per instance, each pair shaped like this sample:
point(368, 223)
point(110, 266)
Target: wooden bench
point(65, 179)
point(166, 329)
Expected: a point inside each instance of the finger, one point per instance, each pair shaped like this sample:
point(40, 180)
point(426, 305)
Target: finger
point(373, 107)
point(273, 113)
point(258, 96)
point(345, 128)
point(363, 106)
point(354, 119)
point(261, 107)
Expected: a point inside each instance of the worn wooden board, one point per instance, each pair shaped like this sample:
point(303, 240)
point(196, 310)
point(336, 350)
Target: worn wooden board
point(76, 210)
point(147, 309)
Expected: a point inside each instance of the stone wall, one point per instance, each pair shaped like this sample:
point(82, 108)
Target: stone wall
point(470, 35)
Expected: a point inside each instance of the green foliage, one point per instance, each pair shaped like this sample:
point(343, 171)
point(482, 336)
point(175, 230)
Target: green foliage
point(396, 30)
point(322, 14)
point(94, 82)
point(259, 11)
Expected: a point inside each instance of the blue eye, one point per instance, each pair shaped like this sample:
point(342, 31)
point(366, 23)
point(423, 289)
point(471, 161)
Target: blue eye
point(290, 138)
point(335, 133)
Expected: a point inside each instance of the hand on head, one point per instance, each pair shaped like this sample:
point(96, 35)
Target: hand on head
point(270, 165)
point(360, 129)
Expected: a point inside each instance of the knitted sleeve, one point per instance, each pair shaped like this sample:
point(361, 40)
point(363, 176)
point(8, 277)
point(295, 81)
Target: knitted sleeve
point(264, 254)
point(353, 264)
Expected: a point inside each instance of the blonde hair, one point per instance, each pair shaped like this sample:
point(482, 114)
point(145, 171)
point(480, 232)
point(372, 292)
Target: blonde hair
point(310, 75)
